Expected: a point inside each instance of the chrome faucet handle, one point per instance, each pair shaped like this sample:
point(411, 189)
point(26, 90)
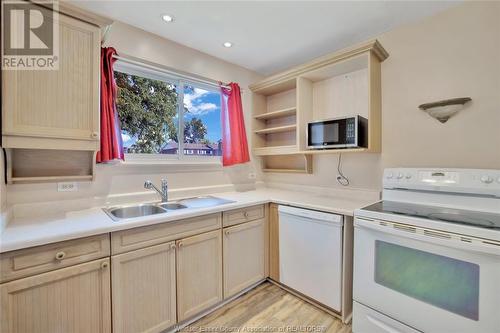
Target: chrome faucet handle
point(148, 184)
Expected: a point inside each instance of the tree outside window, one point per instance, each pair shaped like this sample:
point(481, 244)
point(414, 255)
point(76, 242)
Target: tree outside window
point(149, 116)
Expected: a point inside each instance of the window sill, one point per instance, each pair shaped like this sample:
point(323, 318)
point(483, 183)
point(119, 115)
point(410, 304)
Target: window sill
point(173, 165)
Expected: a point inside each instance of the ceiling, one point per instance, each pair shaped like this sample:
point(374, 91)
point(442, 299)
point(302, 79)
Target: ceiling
point(268, 36)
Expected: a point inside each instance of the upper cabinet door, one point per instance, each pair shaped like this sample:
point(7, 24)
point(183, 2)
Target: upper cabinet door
point(56, 104)
point(199, 273)
point(244, 256)
point(72, 299)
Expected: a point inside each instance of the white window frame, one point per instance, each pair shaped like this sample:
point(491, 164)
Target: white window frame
point(180, 157)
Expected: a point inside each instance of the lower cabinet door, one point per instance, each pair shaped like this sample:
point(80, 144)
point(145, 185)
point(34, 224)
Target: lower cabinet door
point(144, 289)
point(72, 299)
point(199, 273)
point(244, 256)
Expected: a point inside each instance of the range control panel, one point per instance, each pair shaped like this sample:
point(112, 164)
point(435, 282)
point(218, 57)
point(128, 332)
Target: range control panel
point(473, 181)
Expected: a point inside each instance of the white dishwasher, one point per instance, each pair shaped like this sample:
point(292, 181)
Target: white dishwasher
point(310, 245)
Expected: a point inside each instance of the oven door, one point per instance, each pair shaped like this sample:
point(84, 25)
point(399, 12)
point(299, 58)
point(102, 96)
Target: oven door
point(426, 280)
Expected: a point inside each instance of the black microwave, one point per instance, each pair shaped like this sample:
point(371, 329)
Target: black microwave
point(344, 132)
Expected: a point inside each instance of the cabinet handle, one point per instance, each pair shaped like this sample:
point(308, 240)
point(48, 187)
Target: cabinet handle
point(172, 247)
point(180, 244)
point(245, 214)
point(94, 135)
point(60, 255)
point(226, 232)
point(104, 264)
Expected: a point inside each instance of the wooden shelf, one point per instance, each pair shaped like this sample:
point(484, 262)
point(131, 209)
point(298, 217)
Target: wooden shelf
point(333, 151)
point(279, 129)
point(26, 166)
point(285, 170)
point(288, 164)
point(285, 150)
point(277, 150)
point(18, 180)
point(277, 114)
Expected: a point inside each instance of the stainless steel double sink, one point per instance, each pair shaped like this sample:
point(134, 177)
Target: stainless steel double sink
point(146, 209)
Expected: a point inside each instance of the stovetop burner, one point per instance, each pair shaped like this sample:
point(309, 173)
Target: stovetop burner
point(459, 216)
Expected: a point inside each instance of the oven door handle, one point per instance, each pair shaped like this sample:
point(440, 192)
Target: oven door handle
point(432, 236)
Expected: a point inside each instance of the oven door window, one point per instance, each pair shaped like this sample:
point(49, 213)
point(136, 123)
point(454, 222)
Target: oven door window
point(444, 282)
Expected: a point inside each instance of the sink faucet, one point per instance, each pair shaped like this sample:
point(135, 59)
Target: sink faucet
point(164, 189)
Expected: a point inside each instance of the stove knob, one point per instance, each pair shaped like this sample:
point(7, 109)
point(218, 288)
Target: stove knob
point(408, 176)
point(400, 176)
point(486, 179)
point(390, 175)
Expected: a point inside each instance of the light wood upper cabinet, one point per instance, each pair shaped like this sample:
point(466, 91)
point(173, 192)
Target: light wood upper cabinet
point(244, 256)
point(144, 298)
point(73, 299)
point(56, 109)
point(199, 273)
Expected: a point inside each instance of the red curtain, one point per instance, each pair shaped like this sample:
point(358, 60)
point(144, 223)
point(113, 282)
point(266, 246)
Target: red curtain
point(111, 139)
point(234, 137)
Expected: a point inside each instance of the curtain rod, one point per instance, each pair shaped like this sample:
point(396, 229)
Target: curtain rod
point(166, 70)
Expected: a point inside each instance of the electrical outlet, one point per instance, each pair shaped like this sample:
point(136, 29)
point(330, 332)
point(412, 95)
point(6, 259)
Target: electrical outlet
point(67, 187)
point(252, 175)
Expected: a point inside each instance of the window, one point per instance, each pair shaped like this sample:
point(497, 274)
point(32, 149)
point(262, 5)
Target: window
point(164, 117)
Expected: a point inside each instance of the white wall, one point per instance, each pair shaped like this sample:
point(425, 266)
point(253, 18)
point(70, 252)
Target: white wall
point(455, 53)
point(115, 179)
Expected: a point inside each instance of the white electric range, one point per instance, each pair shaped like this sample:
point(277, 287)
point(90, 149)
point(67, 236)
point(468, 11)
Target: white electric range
point(427, 257)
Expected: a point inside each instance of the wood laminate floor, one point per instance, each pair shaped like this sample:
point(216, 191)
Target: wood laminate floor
point(268, 308)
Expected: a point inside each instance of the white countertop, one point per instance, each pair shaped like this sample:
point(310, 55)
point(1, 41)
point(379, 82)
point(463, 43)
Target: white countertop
point(29, 231)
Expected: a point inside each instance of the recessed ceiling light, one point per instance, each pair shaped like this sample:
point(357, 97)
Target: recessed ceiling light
point(227, 44)
point(167, 18)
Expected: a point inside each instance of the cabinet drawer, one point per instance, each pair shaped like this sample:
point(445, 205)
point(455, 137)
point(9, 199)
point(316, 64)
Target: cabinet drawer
point(137, 238)
point(242, 215)
point(34, 260)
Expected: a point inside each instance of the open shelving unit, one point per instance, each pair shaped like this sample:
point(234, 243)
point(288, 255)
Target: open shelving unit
point(277, 126)
point(48, 165)
point(343, 83)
